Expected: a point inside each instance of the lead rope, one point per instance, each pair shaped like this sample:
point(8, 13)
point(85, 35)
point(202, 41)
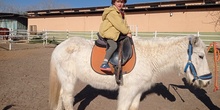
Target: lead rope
point(216, 59)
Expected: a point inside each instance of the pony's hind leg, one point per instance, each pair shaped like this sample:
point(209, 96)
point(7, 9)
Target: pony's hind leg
point(67, 98)
point(60, 102)
point(67, 90)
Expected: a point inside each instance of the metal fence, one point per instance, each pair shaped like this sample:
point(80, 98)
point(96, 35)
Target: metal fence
point(207, 37)
point(55, 36)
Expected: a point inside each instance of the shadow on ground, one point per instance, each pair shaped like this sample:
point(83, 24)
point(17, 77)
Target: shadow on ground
point(89, 93)
point(199, 94)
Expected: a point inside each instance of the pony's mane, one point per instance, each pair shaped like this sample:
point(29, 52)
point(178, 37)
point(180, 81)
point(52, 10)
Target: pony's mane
point(167, 40)
point(171, 47)
point(160, 41)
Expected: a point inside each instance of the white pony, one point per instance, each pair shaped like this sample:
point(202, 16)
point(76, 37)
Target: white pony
point(70, 62)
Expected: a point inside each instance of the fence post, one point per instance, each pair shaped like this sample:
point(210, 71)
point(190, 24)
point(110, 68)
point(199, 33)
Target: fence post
point(136, 31)
point(10, 41)
point(92, 35)
point(198, 33)
point(155, 34)
point(46, 37)
point(43, 38)
point(28, 36)
point(67, 34)
point(9, 45)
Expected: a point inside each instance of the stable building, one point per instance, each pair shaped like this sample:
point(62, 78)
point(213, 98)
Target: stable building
point(169, 16)
point(13, 21)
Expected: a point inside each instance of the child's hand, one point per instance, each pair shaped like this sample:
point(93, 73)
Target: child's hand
point(129, 35)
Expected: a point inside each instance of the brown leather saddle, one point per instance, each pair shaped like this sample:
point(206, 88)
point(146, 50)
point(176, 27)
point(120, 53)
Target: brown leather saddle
point(121, 62)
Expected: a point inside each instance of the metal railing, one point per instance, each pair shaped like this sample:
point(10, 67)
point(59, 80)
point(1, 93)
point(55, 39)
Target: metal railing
point(207, 37)
point(51, 36)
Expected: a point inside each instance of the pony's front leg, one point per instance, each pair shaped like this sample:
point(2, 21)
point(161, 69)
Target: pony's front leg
point(136, 102)
point(126, 97)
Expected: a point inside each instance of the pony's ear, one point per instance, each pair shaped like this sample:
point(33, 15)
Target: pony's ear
point(195, 40)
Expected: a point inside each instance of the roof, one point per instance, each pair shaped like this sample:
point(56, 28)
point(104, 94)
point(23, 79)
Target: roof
point(133, 8)
point(9, 15)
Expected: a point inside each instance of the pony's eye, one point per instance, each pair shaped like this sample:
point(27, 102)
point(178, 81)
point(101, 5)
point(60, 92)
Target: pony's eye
point(201, 56)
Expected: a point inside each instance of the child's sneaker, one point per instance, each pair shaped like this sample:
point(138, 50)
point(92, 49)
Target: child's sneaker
point(105, 67)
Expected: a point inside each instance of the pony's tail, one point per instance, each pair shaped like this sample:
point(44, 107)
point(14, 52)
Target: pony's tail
point(54, 87)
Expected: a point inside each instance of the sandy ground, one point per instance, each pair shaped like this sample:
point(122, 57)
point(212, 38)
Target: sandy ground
point(24, 79)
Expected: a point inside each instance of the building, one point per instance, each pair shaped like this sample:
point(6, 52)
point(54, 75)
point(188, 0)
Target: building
point(13, 21)
point(169, 16)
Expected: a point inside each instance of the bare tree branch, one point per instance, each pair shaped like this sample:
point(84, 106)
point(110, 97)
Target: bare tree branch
point(11, 7)
point(215, 19)
point(46, 4)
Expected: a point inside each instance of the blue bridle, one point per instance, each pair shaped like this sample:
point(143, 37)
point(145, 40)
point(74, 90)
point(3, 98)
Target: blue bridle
point(192, 67)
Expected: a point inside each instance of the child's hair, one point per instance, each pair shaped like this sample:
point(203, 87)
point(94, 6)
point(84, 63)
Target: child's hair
point(113, 1)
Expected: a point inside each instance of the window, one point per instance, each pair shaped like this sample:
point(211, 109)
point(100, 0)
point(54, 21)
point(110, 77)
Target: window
point(33, 29)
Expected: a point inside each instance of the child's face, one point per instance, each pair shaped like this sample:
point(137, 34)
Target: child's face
point(119, 4)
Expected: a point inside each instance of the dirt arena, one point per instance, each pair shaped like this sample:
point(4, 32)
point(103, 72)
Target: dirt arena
point(24, 79)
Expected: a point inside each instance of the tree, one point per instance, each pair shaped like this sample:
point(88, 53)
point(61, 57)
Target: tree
point(11, 7)
point(46, 4)
point(215, 19)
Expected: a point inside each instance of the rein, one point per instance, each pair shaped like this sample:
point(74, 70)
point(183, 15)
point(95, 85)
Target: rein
point(192, 67)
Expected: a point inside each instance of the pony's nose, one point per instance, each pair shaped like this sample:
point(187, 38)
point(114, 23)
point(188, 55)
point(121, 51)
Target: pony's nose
point(204, 83)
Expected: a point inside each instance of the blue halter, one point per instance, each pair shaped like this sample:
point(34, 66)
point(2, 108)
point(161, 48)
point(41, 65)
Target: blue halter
point(192, 67)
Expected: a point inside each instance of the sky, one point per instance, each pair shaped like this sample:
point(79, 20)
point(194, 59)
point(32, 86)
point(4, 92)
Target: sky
point(75, 3)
